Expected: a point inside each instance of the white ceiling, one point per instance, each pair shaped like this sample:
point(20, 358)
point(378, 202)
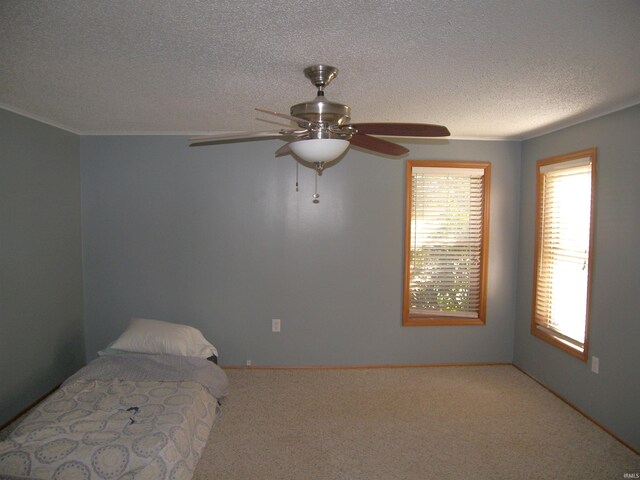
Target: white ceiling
point(498, 69)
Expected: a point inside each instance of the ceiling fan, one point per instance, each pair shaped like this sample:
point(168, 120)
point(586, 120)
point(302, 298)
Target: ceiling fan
point(324, 130)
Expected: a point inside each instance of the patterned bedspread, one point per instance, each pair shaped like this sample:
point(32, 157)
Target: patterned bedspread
point(143, 427)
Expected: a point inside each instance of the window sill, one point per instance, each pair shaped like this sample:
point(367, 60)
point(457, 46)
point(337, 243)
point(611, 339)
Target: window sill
point(439, 321)
point(557, 342)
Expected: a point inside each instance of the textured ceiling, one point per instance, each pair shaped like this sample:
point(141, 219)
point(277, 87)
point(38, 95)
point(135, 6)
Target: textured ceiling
point(505, 69)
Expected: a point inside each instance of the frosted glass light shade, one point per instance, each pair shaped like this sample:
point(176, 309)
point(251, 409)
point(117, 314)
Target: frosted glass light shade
point(319, 149)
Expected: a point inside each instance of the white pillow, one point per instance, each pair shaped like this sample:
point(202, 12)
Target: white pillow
point(155, 336)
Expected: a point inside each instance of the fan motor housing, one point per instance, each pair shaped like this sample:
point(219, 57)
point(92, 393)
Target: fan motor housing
point(321, 110)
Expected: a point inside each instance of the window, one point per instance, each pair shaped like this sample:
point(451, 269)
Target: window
point(564, 217)
point(446, 243)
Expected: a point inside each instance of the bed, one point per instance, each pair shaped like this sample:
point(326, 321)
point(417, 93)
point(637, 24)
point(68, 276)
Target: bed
point(126, 415)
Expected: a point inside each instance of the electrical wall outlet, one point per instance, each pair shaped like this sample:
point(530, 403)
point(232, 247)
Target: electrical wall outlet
point(595, 364)
point(275, 325)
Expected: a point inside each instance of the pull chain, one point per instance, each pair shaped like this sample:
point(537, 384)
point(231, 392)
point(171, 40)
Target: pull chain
point(297, 176)
point(316, 195)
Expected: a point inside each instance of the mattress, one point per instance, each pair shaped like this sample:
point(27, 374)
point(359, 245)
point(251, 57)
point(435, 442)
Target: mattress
point(120, 417)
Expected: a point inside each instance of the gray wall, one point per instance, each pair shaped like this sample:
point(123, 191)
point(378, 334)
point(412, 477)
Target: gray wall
point(611, 397)
point(218, 238)
point(41, 317)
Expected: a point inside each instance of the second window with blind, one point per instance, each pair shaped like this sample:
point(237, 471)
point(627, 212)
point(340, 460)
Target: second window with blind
point(446, 242)
point(563, 251)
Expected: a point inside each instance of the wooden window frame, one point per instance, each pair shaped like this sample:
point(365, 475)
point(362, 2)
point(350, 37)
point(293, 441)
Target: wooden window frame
point(412, 319)
point(556, 340)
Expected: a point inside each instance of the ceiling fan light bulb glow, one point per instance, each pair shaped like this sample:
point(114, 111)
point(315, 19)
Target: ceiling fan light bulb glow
point(319, 149)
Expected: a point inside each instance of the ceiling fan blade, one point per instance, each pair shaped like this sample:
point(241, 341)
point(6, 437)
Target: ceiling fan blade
point(227, 137)
point(283, 150)
point(288, 117)
point(402, 129)
point(378, 145)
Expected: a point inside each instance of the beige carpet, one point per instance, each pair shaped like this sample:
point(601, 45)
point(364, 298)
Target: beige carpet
point(411, 423)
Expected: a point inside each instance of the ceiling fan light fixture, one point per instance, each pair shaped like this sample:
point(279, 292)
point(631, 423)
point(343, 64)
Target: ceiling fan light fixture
point(318, 150)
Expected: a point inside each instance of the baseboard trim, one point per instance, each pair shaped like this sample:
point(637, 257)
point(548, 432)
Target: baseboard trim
point(28, 407)
point(362, 367)
point(585, 415)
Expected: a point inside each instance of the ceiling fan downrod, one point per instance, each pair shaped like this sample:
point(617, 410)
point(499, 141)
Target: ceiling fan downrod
point(321, 76)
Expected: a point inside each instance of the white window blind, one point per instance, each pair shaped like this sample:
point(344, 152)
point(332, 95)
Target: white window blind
point(446, 241)
point(564, 233)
